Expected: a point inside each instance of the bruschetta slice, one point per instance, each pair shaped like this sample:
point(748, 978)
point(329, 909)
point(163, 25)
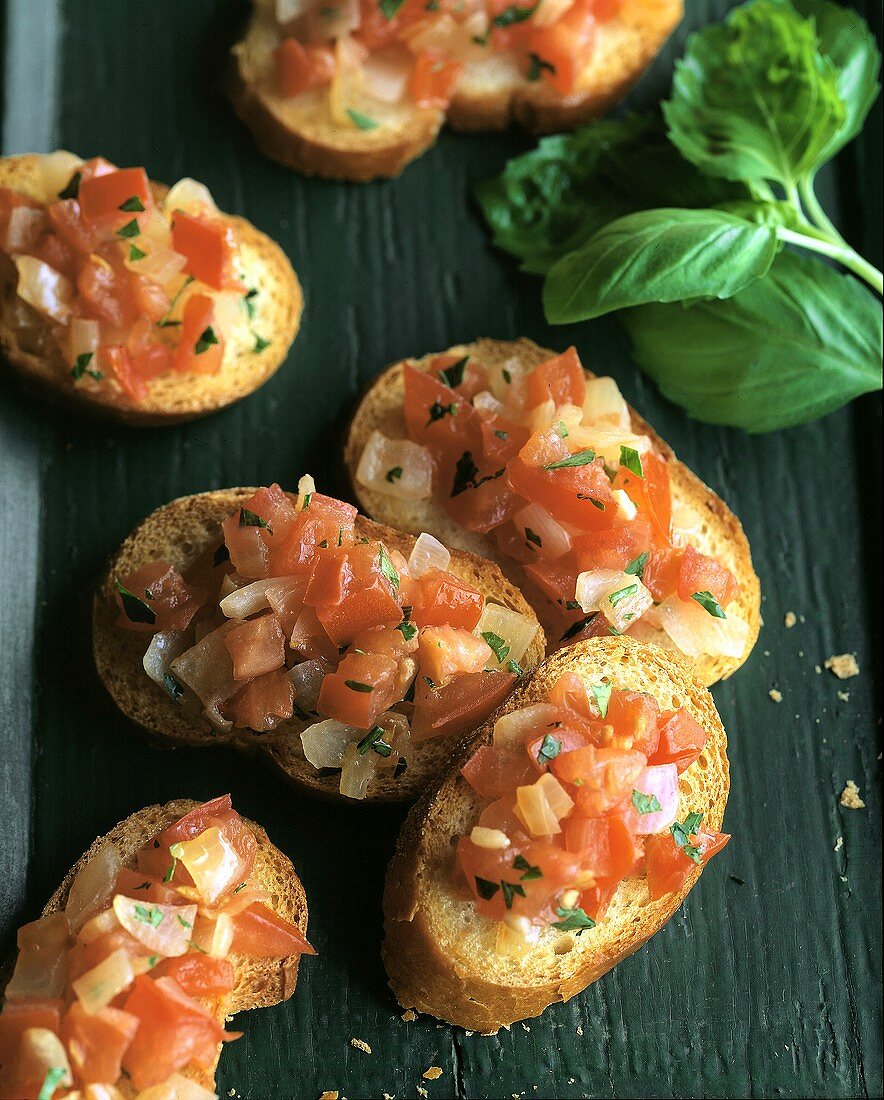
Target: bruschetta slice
point(542, 467)
point(179, 917)
point(560, 840)
point(358, 89)
point(348, 655)
point(145, 303)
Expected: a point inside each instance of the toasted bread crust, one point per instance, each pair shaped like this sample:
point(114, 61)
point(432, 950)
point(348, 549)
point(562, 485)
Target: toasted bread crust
point(173, 398)
point(176, 533)
point(722, 534)
point(439, 953)
point(259, 982)
point(300, 133)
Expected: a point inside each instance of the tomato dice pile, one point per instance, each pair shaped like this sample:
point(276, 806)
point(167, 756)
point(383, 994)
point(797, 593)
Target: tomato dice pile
point(582, 792)
point(132, 287)
point(126, 982)
point(294, 614)
point(546, 462)
point(422, 48)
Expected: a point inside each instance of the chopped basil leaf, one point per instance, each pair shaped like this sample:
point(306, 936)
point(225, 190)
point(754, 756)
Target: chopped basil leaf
point(153, 960)
point(592, 500)
point(709, 603)
point(407, 629)
point(636, 567)
point(252, 519)
point(632, 460)
point(510, 889)
point(573, 920)
point(736, 878)
point(550, 747)
point(136, 610)
point(164, 322)
point(681, 834)
point(498, 645)
point(502, 435)
point(575, 628)
point(393, 474)
point(431, 5)
point(537, 66)
point(248, 298)
point(514, 667)
point(206, 340)
point(530, 873)
point(260, 343)
point(374, 739)
point(646, 803)
point(359, 120)
point(401, 765)
point(355, 685)
point(532, 536)
point(581, 458)
point(135, 253)
point(513, 14)
point(507, 377)
point(437, 410)
point(561, 430)
point(81, 367)
point(133, 205)
point(453, 376)
point(602, 695)
point(130, 229)
point(388, 569)
point(572, 605)
point(222, 554)
point(149, 915)
point(622, 593)
point(693, 821)
point(167, 877)
point(184, 923)
point(72, 190)
point(465, 475)
point(55, 1074)
point(390, 7)
point(485, 888)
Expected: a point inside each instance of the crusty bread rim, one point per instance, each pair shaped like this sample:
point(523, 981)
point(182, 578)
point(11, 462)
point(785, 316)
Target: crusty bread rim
point(177, 532)
point(381, 408)
point(259, 982)
point(434, 959)
point(301, 134)
point(172, 398)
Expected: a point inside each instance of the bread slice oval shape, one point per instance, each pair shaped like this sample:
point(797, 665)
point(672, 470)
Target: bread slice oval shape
point(302, 132)
point(252, 355)
point(717, 531)
point(439, 953)
point(178, 533)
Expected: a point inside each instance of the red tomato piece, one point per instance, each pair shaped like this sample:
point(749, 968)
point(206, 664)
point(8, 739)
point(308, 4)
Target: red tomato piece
point(601, 778)
point(96, 1044)
point(461, 705)
point(579, 495)
point(209, 245)
point(198, 975)
point(437, 416)
point(300, 68)
point(613, 547)
point(256, 647)
point(700, 573)
point(449, 651)
point(262, 934)
point(85, 956)
point(161, 591)
point(635, 717)
point(264, 702)
point(669, 868)
point(367, 594)
point(103, 197)
point(504, 880)
point(565, 46)
point(117, 357)
point(569, 692)
point(324, 520)
point(493, 774)
point(360, 690)
point(106, 293)
point(66, 219)
point(58, 253)
point(174, 1031)
point(251, 531)
point(200, 348)
point(682, 739)
point(606, 845)
point(434, 80)
point(376, 28)
point(446, 600)
point(595, 900)
point(136, 884)
point(560, 378)
point(19, 1015)
point(476, 497)
point(651, 493)
point(662, 570)
point(502, 439)
point(151, 301)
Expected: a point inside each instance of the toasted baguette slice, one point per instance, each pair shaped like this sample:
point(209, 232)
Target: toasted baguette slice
point(720, 534)
point(173, 398)
point(259, 982)
point(439, 952)
point(301, 132)
point(177, 533)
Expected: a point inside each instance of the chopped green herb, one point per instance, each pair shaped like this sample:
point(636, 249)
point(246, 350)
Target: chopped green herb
point(130, 229)
point(572, 605)
point(149, 915)
point(135, 253)
point(135, 609)
point(453, 376)
point(573, 920)
point(592, 500)
point(507, 377)
point(81, 367)
point(249, 299)
point(581, 458)
point(133, 205)
point(167, 877)
point(252, 519)
point(682, 832)
point(390, 7)
point(222, 554)
point(359, 120)
point(622, 594)
point(153, 960)
point(165, 322)
point(501, 435)
point(485, 888)
point(206, 340)
point(374, 739)
point(260, 343)
point(561, 430)
point(407, 629)
point(510, 890)
point(388, 569)
point(355, 685)
point(709, 603)
point(537, 66)
point(55, 1074)
point(498, 645)
point(576, 628)
point(401, 765)
point(465, 475)
point(514, 667)
point(636, 567)
point(72, 189)
point(645, 803)
point(393, 474)
point(184, 923)
point(437, 410)
point(532, 536)
point(530, 873)
point(550, 747)
point(431, 5)
point(513, 14)
point(602, 695)
point(632, 460)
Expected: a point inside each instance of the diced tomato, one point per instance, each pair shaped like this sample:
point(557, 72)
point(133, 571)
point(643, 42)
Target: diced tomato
point(448, 600)
point(634, 716)
point(84, 956)
point(492, 773)
point(309, 638)
point(210, 247)
point(250, 532)
point(661, 571)
point(449, 651)
point(563, 48)
point(66, 219)
point(601, 778)
point(300, 68)
point(11, 200)
point(136, 884)
point(160, 592)
point(569, 691)
point(264, 702)
point(505, 880)
point(461, 705)
point(476, 496)
point(386, 640)
point(580, 495)
point(256, 647)
point(502, 439)
point(367, 595)
point(613, 547)
point(560, 378)
point(117, 357)
point(261, 933)
point(19, 1015)
point(651, 493)
point(174, 1031)
point(198, 975)
point(606, 845)
point(106, 292)
point(103, 197)
point(595, 900)
point(436, 415)
point(700, 573)
point(434, 80)
point(377, 28)
point(473, 375)
point(200, 348)
point(557, 580)
point(669, 868)
point(564, 737)
point(151, 301)
point(682, 739)
point(324, 520)
point(360, 690)
point(58, 253)
point(96, 1043)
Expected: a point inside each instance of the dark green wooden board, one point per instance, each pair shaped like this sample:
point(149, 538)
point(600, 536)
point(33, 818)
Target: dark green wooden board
point(767, 988)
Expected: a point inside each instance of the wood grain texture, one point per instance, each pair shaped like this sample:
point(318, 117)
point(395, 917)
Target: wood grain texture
point(770, 988)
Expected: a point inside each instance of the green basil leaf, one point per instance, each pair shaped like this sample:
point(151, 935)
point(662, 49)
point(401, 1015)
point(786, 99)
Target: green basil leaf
point(666, 255)
point(791, 347)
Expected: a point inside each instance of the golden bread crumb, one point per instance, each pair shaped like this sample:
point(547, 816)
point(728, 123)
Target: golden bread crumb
point(843, 665)
point(409, 1016)
point(790, 620)
point(330, 1095)
point(850, 797)
point(777, 696)
point(361, 1044)
point(432, 1074)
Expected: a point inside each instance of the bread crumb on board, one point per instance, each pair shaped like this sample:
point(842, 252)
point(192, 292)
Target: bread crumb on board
point(432, 1074)
point(777, 696)
point(409, 1016)
point(422, 1092)
point(333, 1095)
point(839, 843)
point(360, 1044)
point(844, 696)
point(843, 665)
point(790, 620)
point(850, 797)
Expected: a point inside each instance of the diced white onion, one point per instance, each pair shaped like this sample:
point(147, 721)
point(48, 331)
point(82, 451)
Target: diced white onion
point(516, 935)
point(160, 265)
point(191, 196)
point(228, 311)
point(41, 966)
point(325, 743)
point(306, 679)
point(357, 772)
point(93, 886)
point(541, 806)
point(56, 170)
point(164, 647)
point(631, 599)
point(346, 82)
point(97, 987)
point(214, 935)
point(487, 405)
point(543, 415)
point(517, 631)
point(44, 288)
point(287, 10)
point(210, 860)
point(513, 730)
point(306, 489)
point(696, 632)
point(207, 669)
point(506, 381)
point(84, 337)
point(608, 441)
point(426, 554)
point(246, 601)
point(443, 35)
point(603, 403)
point(23, 229)
point(687, 523)
point(396, 467)
point(164, 930)
point(661, 781)
point(385, 75)
point(105, 921)
point(554, 539)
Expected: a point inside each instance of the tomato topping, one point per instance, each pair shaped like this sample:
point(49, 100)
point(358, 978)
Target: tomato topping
point(157, 598)
point(256, 647)
point(491, 774)
point(360, 690)
point(670, 866)
point(445, 599)
point(107, 293)
point(198, 975)
point(117, 357)
point(97, 1043)
point(136, 884)
point(579, 495)
point(437, 415)
point(681, 741)
point(563, 48)
point(603, 777)
point(613, 547)
point(634, 716)
point(448, 651)
point(434, 80)
point(209, 246)
point(19, 1015)
point(700, 573)
point(66, 219)
point(460, 705)
point(353, 591)
point(264, 702)
point(560, 378)
point(606, 845)
point(200, 347)
point(299, 67)
point(118, 195)
point(262, 934)
point(650, 493)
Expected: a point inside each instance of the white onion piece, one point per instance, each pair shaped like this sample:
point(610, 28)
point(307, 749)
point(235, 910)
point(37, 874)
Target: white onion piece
point(396, 467)
point(306, 679)
point(554, 539)
point(631, 599)
point(160, 265)
point(306, 489)
point(163, 929)
point(517, 631)
point(398, 736)
point(385, 73)
point(513, 730)
point(206, 668)
point(696, 632)
point(506, 381)
point(346, 83)
point(97, 987)
point(443, 35)
point(39, 1052)
point(357, 772)
point(164, 647)
point(608, 441)
point(325, 743)
point(84, 337)
point(426, 554)
point(543, 415)
point(487, 405)
point(44, 288)
point(41, 966)
point(287, 10)
point(603, 403)
point(688, 525)
point(243, 602)
point(56, 170)
point(210, 860)
point(191, 196)
point(661, 780)
point(228, 311)
point(625, 506)
point(23, 229)
point(93, 886)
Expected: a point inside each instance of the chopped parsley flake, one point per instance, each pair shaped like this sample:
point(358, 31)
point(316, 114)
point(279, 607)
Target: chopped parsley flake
point(135, 609)
point(252, 519)
point(355, 685)
point(359, 120)
point(133, 205)
point(581, 458)
point(636, 567)
point(453, 376)
point(393, 474)
point(645, 803)
point(573, 920)
point(602, 695)
point(206, 340)
point(632, 461)
point(709, 603)
point(550, 747)
point(497, 644)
